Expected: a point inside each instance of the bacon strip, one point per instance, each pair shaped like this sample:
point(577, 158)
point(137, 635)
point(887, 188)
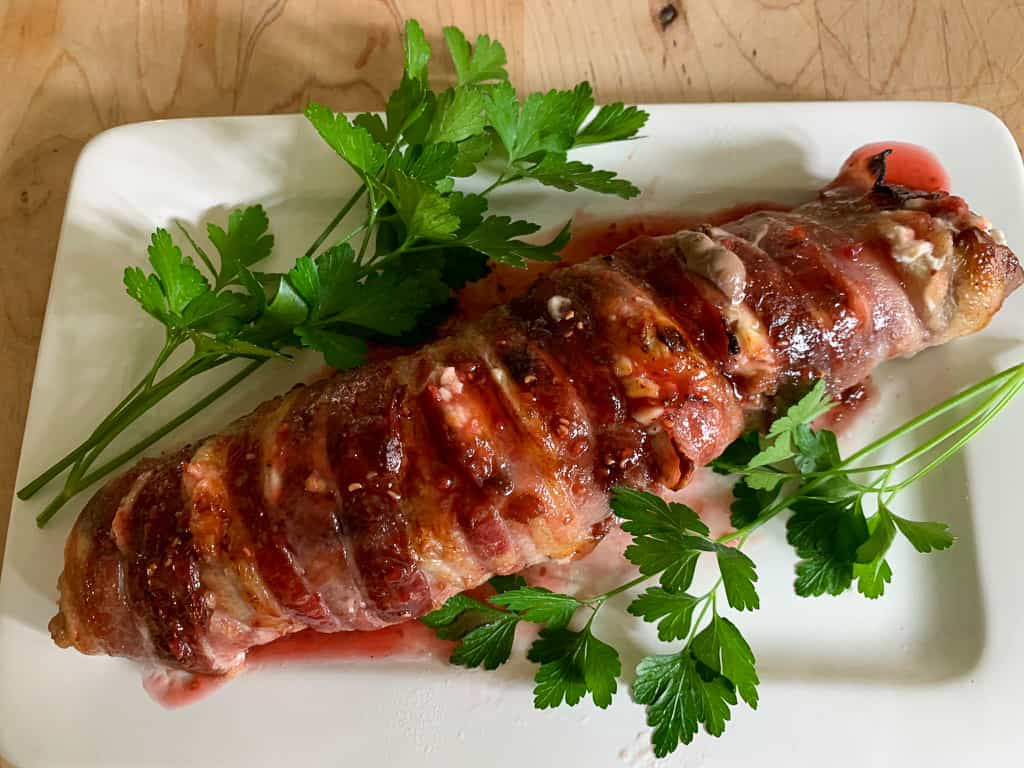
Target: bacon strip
point(370, 497)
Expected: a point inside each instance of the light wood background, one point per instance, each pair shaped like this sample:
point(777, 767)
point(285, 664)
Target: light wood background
point(70, 69)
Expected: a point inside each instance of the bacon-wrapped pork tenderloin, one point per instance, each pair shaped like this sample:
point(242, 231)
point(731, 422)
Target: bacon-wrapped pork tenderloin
point(370, 497)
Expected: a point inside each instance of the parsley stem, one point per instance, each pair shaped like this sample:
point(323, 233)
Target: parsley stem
point(75, 482)
point(497, 183)
point(992, 408)
point(171, 425)
point(352, 234)
point(998, 397)
point(370, 224)
point(33, 487)
point(336, 221)
point(146, 400)
point(1010, 381)
point(202, 254)
point(934, 412)
point(706, 601)
point(600, 599)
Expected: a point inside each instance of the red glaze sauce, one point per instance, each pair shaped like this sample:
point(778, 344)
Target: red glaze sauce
point(909, 165)
point(591, 237)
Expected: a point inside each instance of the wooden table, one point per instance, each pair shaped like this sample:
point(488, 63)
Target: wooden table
point(72, 69)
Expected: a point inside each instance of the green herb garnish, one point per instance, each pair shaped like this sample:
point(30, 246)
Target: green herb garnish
point(419, 239)
point(837, 542)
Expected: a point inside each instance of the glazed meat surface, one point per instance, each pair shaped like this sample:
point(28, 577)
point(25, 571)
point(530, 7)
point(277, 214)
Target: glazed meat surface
point(370, 497)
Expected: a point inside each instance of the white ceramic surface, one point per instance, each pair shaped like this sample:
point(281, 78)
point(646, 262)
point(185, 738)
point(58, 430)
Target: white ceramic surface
point(928, 676)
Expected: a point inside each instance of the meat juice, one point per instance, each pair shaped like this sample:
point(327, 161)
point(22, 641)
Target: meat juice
point(604, 567)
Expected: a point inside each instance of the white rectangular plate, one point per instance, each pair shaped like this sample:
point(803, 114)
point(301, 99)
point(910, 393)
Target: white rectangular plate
point(928, 676)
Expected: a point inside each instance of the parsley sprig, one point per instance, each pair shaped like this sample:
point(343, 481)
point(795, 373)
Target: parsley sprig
point(836, 536)
point(388, 279)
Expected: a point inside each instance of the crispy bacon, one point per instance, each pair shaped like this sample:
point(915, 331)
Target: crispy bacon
point(370, 497)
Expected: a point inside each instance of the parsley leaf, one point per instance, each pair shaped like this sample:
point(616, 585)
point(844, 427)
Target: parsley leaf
point(417, 51)
point(470, 152)
point(645, 513)
point(826, 534)
point(506, 583)
point(572, 664)
point(805, 410)
point(305, 279)
point(353, 143)
point(748, 503)
point(285, 309)
point(544, 122)
point(431, 164)
point(424, 211)
point(926, 536)
point(818, 573)
point(738, 576)
point(613, 122)
point(485, 61)
point(374, 125)
point(179, 280)
point(871, 570)
point(872, 577)
point(485, 634)
point(340, 350)
point(408, 109)
point(757, 489)
point(392, 302)
point(496, 238)
point(147, 291)
point(220, 314)
point(539, 605)
point(882, 530)
point(555, 170)
point(722, 648)
point(245, 243)
point(763, 479)
point(779, 442)
point(667, 538)
point(337, 290)
point(738, 453)
point(489, 645)
point(674, 558)
point(816, 450)
point(443, 619)
point(458, 114)
point(674, 609)
point(680, 694)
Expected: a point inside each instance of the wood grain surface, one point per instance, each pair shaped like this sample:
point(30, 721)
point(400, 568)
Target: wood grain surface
point(71, 69)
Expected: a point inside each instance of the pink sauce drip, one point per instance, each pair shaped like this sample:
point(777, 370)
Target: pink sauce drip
point(909, 165)
point(409, 640)
point(172, 689)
